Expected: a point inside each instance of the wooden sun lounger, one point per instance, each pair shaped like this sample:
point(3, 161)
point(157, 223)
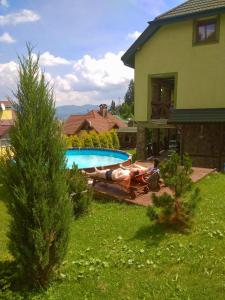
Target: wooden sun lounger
point(133, 191)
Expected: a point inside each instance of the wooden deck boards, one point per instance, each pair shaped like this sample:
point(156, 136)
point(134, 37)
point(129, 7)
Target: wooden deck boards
point(116, 192)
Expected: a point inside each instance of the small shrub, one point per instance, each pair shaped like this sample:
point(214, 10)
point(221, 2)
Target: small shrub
point(134, 157)
point(86, 140)
point(95, 139)
point(115, 139)
point(175, 176)
point(169, 209)
point(109, 138)
point(172, 211)
point(103, 140)
point(80, 193)
point(68, 141)
point(169, 167)
point(76, 141)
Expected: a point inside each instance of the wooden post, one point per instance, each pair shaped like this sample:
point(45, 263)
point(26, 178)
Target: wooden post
point(141, 142)
point(181, 132)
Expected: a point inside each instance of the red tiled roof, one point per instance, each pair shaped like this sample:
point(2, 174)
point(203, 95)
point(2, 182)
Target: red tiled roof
point(5, 102)
point(96, 121)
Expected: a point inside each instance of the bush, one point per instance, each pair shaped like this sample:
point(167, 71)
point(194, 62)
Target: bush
point(134, 157)
point(175, 176)
point(86, 140)
point(172, 209)
point(95, 139)
point(37, 191)
point(103, 140)
point(115, 139)
point(67, 141)
point(76, 141)
point(80, 193)
point(109, 139)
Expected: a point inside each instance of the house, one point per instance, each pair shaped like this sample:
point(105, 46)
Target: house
point(179, 67)
point(7, 117)
point(100, 121)
point(127, 137)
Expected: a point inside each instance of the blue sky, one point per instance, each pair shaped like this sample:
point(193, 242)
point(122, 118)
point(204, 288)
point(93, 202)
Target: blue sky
point(80, 43)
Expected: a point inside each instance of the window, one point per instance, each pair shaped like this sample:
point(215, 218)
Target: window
point(206, 31)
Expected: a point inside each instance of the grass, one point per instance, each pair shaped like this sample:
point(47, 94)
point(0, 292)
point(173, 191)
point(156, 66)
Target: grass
point(116, 253)
point(131, 151)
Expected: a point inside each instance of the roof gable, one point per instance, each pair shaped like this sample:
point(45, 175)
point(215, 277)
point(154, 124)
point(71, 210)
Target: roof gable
point(94, 119)
point(188, 10)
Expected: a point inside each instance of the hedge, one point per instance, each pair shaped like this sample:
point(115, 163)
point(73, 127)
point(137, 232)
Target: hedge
point(93, 139)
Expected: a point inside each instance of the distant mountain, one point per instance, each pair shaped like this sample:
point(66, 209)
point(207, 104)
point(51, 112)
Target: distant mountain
point(63, 112)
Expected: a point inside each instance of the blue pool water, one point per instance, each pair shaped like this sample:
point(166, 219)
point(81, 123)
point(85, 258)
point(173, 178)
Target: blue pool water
point(89, 158)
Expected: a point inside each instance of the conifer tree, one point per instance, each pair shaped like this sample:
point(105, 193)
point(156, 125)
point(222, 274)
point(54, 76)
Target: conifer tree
point(103, 140)
point(115, 139)
point(109, 138)
point(76, 141)
point(35, 180)
point(95, 139)
point(86, 140)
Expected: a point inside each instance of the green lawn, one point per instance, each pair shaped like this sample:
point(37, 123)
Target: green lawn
point(115, 253)
point(131, 151)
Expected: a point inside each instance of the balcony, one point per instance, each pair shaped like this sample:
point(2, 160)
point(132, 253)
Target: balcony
point(162, 97)
point(161, 110)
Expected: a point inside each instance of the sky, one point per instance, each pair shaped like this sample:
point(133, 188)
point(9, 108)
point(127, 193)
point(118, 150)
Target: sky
point(80, 43)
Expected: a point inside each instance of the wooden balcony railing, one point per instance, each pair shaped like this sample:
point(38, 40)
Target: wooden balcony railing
point(161, 110)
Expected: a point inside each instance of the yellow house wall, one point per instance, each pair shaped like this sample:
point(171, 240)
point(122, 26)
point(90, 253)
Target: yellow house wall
point(6, 114)
point(200, 69)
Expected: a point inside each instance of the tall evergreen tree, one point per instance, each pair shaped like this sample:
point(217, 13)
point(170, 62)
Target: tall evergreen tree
point(129, 96)
point(126, 109)
point(35, 180)
point(112, 108)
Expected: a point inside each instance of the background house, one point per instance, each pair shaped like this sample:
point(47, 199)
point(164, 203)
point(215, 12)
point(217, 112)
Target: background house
point(127, 137)
point(179, 67)
point(99, 120)
point(7, 117)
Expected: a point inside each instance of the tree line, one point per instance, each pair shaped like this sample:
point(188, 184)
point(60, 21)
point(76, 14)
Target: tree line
point(126, 109)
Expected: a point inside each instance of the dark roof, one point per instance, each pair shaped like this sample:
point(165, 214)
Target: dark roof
point(207, 115)
point(192, 6)
point(187, 10)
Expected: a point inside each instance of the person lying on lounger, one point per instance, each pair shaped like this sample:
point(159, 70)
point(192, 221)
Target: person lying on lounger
point(121, 176)
point(140, 170)
point(142, 174)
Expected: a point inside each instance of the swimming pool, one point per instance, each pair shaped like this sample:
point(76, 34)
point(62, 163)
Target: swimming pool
point(89, 158)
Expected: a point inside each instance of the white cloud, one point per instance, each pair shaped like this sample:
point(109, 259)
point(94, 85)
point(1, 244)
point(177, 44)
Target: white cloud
point(134, 35)
point(4, 3)
point(90, 80)
point(7, 38)
point(8, 76)
point(48, 59)
point(108, 70)
point(65, 83)
point(23, 16)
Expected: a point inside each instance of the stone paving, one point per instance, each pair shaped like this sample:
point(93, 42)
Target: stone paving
point(117, 193)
